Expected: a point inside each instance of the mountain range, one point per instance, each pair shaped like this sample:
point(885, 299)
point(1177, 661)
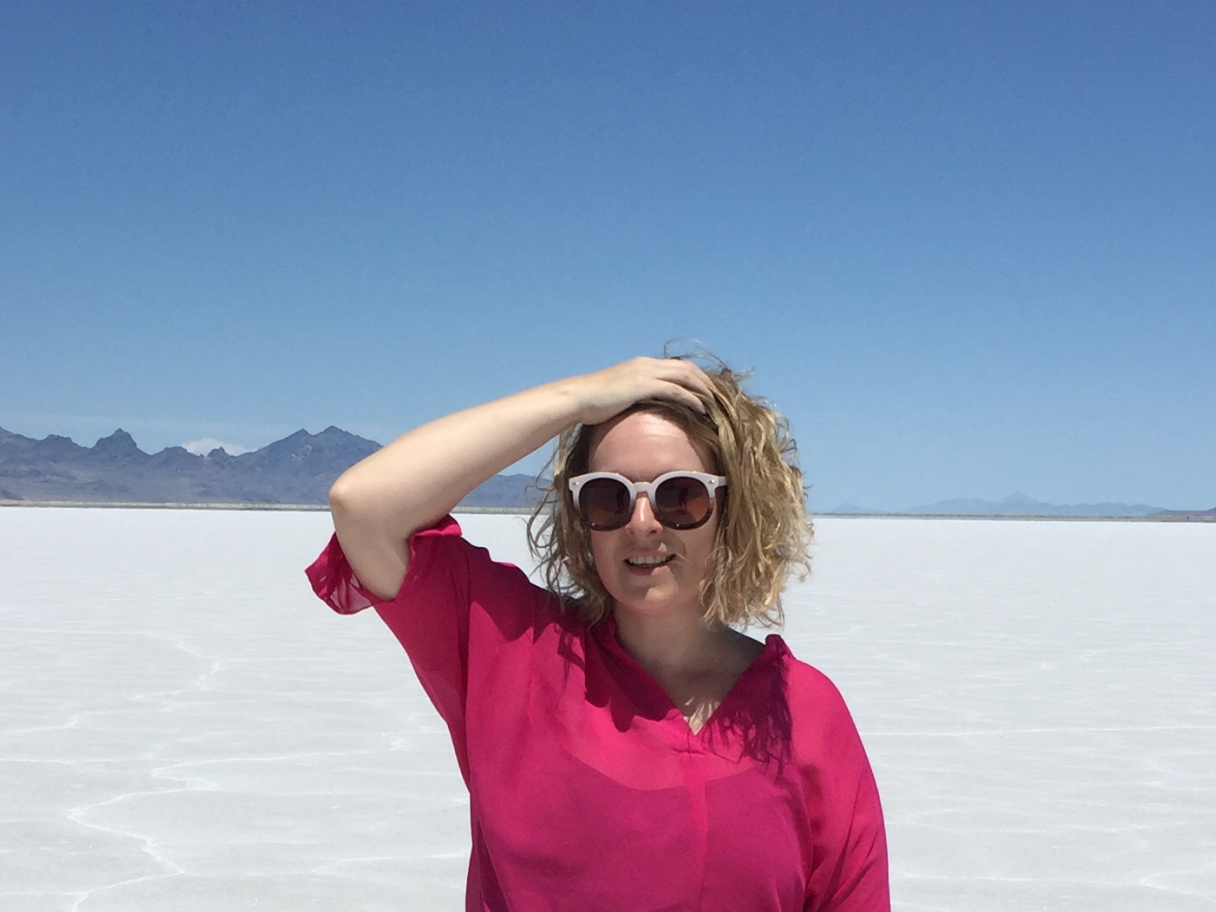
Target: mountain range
point(1021, 505)
point(1014, 505)
point(300, 469)
point(295, 470)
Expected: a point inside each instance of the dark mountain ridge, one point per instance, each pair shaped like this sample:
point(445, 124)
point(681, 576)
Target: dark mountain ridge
point(1021, 505)
point(299, 469)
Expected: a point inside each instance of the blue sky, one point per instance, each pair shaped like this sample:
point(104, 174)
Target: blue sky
point(968, 248)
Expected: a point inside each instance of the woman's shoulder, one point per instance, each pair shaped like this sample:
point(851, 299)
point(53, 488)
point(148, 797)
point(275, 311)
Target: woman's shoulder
point(808, 682)
point(802, 679)
point(817, 707)
point(445, 546)
point(445, 550)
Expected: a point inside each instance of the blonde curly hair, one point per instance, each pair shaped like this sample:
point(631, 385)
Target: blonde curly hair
point(763, 534)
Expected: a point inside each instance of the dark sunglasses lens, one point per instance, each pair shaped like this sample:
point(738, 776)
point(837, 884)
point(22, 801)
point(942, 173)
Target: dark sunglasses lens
point(604, 503)
point(682, 503)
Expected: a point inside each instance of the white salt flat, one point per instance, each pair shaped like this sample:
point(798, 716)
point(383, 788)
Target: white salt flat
point(184, 726)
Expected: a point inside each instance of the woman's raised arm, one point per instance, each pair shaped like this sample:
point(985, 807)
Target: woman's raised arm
point(378, 503)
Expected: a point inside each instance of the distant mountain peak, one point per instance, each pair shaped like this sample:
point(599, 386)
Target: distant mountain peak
point(119, 445)
point(1019, 504)
point(849, 508)
point(299, 435)
point(118, 438)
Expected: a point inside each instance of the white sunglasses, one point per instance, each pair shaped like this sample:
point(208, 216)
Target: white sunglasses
point(679, 500)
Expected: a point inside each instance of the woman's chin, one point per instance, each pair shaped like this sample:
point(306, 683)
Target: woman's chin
point(656, 601)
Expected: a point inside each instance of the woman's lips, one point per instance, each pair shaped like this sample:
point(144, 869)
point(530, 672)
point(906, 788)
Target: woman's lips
point(649, 561)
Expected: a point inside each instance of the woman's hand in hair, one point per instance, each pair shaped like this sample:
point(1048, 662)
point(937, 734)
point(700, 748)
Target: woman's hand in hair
point(606, 393)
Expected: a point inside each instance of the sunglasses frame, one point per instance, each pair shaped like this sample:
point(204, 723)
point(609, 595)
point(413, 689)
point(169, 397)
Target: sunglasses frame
point(711, 482)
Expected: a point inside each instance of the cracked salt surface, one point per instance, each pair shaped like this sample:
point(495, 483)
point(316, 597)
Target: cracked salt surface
point(182, 725)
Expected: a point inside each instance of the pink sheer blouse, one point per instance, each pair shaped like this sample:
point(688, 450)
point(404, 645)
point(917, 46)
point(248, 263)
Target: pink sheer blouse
point(589, 791)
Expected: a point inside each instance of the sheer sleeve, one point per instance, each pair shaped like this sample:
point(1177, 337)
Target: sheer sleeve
point(850, 872)
point(456, 608)
point(863, 884)
point(334, 581)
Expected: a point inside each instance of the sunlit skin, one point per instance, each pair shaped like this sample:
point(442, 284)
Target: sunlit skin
point(657, 609)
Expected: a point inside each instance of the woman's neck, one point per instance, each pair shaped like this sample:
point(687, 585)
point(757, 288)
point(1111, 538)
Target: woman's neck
point(695, 664)
point(668, 644)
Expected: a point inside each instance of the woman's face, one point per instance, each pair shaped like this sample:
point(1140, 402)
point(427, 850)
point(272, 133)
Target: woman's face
point(642, 446)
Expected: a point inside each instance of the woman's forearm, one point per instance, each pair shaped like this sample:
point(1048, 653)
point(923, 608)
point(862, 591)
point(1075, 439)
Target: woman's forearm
point(409, 484)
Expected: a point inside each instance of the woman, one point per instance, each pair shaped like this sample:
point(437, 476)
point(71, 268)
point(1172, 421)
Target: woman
point(625, 748)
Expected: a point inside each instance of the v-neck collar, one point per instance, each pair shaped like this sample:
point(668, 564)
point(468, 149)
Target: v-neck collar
point(660, 703)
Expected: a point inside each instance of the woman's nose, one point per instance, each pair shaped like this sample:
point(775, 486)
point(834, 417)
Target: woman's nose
point(643, 520)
